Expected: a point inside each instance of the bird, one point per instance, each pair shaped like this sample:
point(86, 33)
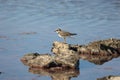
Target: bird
point(63, 34)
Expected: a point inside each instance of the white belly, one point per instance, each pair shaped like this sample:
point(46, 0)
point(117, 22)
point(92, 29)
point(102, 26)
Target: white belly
point(60, 36)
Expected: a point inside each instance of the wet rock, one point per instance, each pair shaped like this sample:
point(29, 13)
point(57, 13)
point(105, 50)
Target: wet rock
point(48, 61)
point(62, 48)
point(65, 54)
point(104, 47)
point(68, 55)
point(110, 77)
point(97, 52)
point(37, 60)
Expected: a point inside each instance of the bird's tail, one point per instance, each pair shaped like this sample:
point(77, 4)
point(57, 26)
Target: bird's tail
point(73, 34)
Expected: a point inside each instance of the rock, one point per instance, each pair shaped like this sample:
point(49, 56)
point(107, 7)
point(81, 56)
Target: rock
point(101, 47)
point(37, 60)
point(47, 61)
point(66, 56)
point(64, 63)
point(110, 77)
point(97, 52)
point(105, 47)
point(62, 48)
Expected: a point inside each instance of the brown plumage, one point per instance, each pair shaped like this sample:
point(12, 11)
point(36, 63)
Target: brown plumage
point(64, 34)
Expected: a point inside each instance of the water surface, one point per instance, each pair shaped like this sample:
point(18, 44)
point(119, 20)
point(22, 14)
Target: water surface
point(28, 26)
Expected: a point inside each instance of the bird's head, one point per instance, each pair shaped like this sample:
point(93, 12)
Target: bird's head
point(58, 30)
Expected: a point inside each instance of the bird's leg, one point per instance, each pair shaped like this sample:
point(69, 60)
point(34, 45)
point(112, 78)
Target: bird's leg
point(64, 39)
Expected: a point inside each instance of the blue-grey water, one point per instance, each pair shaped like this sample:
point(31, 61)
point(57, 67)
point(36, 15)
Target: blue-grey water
point(28, 26)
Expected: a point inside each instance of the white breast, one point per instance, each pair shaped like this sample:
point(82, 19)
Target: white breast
point(60, 35)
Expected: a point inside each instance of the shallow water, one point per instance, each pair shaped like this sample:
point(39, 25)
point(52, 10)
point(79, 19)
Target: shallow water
point(28, 26)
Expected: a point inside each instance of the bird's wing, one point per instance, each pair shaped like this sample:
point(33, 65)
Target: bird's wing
point(67, 34)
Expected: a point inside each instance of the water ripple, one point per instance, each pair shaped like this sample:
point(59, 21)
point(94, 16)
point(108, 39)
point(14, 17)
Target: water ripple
point(66, 12)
